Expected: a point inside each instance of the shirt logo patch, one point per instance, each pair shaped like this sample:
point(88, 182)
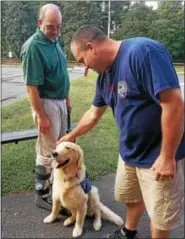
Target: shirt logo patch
point(122, 89)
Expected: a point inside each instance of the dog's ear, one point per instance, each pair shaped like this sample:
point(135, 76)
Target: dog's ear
point(80, 156)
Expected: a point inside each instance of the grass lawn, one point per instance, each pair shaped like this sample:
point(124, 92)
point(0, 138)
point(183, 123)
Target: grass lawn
point(100, 145)
point(179, 69)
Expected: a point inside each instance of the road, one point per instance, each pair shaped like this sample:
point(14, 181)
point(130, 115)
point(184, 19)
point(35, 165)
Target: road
point(13, 86)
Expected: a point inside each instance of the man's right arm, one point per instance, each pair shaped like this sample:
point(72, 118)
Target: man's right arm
point(32, 64)
point(36, 103)
point(87, 122)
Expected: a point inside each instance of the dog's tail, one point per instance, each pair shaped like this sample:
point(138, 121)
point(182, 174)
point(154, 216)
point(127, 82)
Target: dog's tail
point(109, 215)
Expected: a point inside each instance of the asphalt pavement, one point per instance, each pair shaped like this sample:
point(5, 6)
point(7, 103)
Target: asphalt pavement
point(20, 217)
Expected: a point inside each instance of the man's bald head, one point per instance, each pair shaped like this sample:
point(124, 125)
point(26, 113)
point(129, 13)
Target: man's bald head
point(49, 21)
point(48, 7)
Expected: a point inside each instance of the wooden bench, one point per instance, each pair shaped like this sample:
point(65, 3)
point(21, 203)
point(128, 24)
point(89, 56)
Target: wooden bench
point(15, 137)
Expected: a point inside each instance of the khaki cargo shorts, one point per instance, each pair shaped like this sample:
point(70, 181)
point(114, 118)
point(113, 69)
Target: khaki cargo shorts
point(163, 200)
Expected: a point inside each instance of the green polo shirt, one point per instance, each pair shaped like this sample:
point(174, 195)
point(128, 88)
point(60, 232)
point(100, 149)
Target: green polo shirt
point(44, 65)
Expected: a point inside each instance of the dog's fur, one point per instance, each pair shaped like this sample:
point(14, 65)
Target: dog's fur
point(69, 171)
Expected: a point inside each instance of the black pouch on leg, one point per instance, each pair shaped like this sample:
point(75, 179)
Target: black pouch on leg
point(42, 188)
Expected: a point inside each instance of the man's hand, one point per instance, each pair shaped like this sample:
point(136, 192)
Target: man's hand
point(68, 137)
point(87, 122)
point(43, 124)
point(164, 168)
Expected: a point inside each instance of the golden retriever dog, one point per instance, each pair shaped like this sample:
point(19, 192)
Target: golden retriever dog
point(69, 171)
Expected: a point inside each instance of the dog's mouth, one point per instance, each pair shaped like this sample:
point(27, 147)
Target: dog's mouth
point(62, 164)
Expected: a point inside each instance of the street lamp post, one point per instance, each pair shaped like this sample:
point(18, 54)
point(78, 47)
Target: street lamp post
point(108, 27)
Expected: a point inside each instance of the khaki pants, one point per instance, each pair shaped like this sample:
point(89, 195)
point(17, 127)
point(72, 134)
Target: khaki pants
point(56, 112)
point(163, 200)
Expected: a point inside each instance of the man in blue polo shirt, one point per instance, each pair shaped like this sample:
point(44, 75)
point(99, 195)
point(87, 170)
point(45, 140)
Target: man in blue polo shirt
point(138, 81)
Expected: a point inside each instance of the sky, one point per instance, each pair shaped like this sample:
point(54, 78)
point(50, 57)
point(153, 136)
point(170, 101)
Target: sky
point(151, 3)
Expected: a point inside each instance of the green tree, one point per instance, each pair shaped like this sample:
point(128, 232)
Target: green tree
point(166, 24)
point(135, 22)
point(118, 9)
point(168, 28)
point(76, 14)
point(4, 47)
point(19, 22)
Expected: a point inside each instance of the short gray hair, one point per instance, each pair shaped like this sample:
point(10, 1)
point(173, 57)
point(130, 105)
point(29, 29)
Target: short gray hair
point(87, 33)
point(44, 9)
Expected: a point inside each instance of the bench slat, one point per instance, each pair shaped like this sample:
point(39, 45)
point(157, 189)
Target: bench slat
point(16, 136)
point(11, 137)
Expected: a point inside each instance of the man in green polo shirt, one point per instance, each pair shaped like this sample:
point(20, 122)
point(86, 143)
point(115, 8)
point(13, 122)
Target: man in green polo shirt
point(47, 82)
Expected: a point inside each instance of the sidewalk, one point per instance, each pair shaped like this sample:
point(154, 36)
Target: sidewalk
point(21, 219)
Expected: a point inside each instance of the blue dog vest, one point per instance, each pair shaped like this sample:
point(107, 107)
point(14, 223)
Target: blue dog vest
point(86, 185)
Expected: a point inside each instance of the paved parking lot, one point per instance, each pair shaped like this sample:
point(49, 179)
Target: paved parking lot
point(13, 85)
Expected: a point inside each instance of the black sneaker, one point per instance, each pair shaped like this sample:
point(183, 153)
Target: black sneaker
point(120, 234)
point(46, 203)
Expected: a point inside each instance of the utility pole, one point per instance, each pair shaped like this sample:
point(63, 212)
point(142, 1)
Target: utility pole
point(108, 27)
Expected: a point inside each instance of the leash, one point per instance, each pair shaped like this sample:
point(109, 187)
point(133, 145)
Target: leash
point(69, 124)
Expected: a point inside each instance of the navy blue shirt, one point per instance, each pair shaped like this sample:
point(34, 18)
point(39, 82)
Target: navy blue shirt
point(141, 69)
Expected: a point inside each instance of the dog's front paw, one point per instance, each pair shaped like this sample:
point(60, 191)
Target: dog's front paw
point(49, 219)
point(119, 221)
point(97, 225)
point(77, 231)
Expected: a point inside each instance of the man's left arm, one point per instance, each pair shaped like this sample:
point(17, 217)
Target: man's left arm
point(172, 126)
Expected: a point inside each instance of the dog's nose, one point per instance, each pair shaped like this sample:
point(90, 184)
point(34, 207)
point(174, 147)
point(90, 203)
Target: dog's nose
point(54, 154)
